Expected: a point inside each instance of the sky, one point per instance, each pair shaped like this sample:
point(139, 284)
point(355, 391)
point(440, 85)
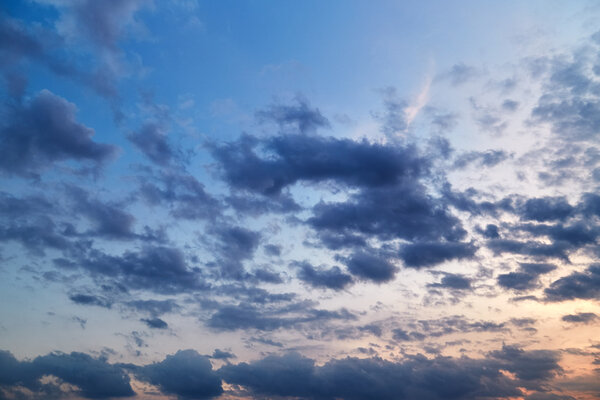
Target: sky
point(299, 200)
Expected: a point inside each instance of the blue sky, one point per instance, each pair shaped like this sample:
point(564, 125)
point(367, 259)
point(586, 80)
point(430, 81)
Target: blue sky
point(316, 200)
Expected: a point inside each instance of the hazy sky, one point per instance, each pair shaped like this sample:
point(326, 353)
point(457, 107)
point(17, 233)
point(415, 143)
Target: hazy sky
point(299, 199)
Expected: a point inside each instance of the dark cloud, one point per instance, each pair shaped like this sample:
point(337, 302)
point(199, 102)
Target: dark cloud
point(374, 329)
point(186, 374)
point(584, 318)
point(94, 377)
point(526, 277)
point(155, 323)
point(399, 212)
point(292, 375)
point(575, 235)
point(298, 115)
point(20, 42)
point(522, 322)
point(14, 207)
point(534, 365)
point(246, 316)
point(332, 278)
point(267, 276)
point(518, 281)
point(577, 285)
point(235, 244)
point(490, 231)
point(152, 141)
point(426, 254)
point(155, 268)
point(90, 300)
point(219, 354)
point(314, 159)
point(401, 335)
point(110, 221)
point(43, 131)
point(371, 267)
point(240, 242)
point(37, 235)
point(453, 324)
point(468, 201)
point(184, 194)
point(250, 294)
point(590, 204)
point(530, 248)
point(546, 209)
point(336, 241)
point(453, 281)
point(249, 204)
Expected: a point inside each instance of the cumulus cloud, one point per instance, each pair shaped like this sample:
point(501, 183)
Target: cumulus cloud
point(186, 374)
point(293, 375)
point(94, 378)
point(332, 278)
point(298, 115)
point(578, 285)
point(44, 131)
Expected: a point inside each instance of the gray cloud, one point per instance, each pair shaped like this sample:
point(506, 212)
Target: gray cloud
point(43, 131)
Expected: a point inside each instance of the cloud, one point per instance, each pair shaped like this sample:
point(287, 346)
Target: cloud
point(530, 248)
point(394, 119)
point(186, 374)
point(546, 209)
point(570, 103)
point(313, 159)
point(154, 307)
point(584, 318)
point(489, 158)
point(183, 193)
point(293, 375)
point(155, 323)
point(534, 365)
point(93, 377)
point(453, 281)
point(332, 278)
point(152, 141)
point(577, 285)
point(43, 131)
point(222, 355)
point(403, 211)
point(90, 300)
point(36, 235)
point(157, 269)
point(246, 316)
point(526, 278)
point(371, 267)
point(298, 115)
point(235, 244)
point(110, 221)
point(103, 23)
point(459, 74)
point(426, 254)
